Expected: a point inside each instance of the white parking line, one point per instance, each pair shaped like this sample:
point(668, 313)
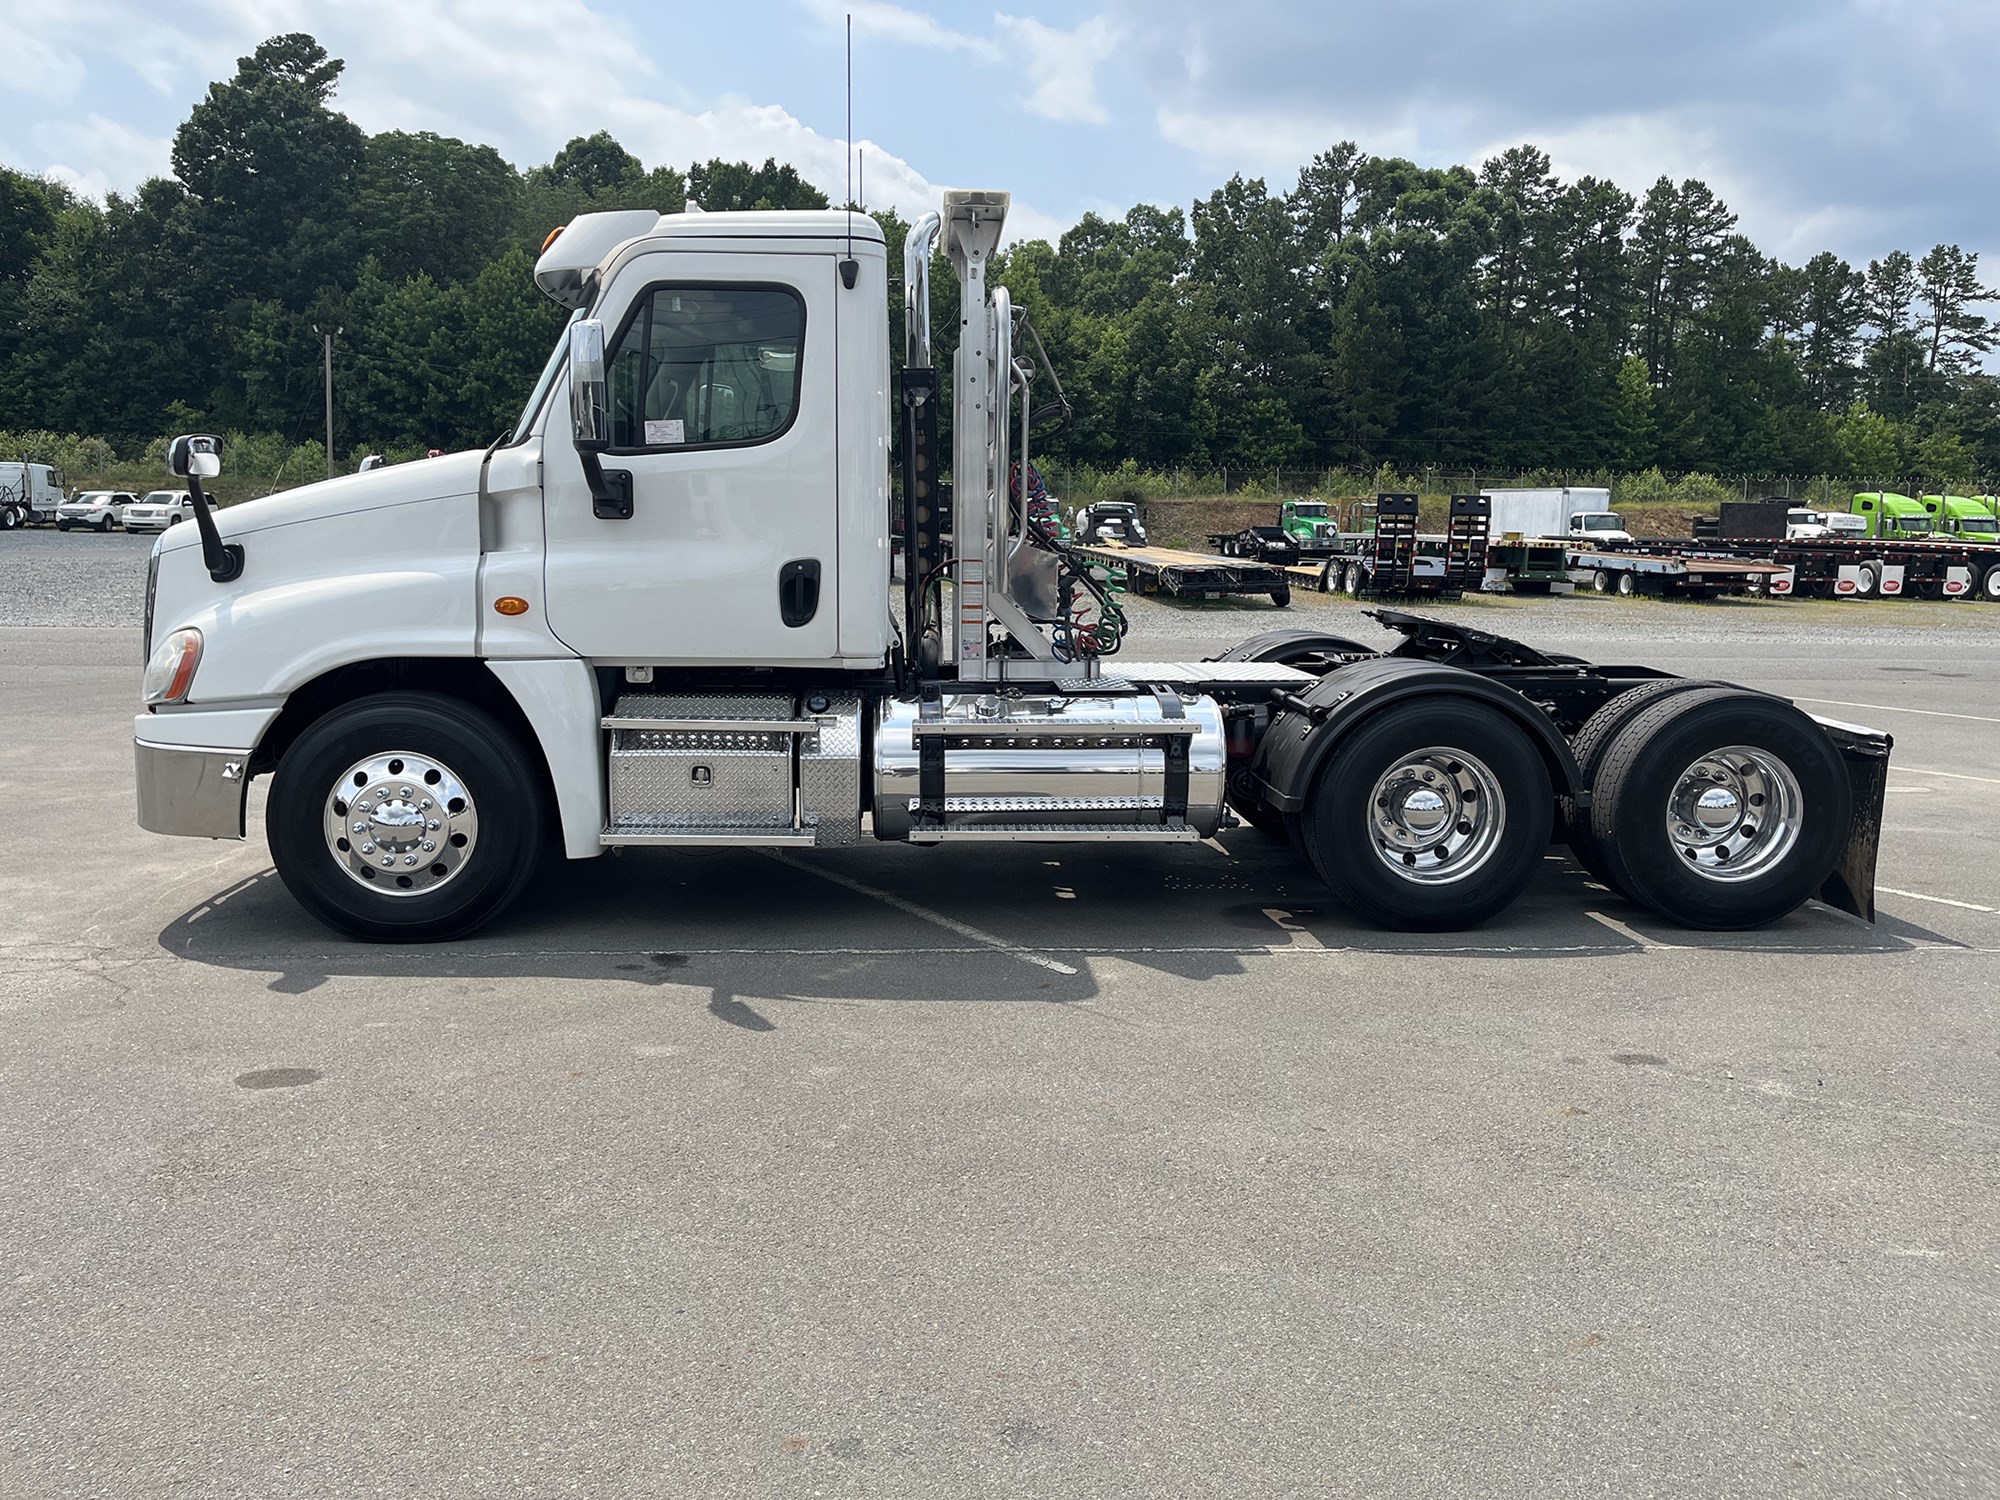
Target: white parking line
point(925, 914)
point(1890, 708)
point(1890, 890)
point(1954, 775)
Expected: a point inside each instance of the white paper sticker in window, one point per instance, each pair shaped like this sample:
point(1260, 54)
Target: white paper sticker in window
point(660, 433)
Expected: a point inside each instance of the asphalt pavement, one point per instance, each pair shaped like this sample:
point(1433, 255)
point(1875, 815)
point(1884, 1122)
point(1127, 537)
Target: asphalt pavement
point(977, 1171)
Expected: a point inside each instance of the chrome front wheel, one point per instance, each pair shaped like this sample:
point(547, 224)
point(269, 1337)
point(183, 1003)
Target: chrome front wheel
point(401, 823)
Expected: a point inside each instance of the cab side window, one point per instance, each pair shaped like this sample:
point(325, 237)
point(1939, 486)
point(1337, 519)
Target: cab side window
point(707, 366)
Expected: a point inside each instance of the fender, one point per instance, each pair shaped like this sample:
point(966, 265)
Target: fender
point(1289, 757)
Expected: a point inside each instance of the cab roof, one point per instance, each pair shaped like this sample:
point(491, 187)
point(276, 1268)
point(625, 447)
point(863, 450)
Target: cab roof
point(589, 240)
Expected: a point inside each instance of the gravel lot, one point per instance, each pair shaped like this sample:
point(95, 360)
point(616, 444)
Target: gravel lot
point(1010, 1171)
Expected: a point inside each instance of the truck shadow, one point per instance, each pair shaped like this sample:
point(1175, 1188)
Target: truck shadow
point(999, 924)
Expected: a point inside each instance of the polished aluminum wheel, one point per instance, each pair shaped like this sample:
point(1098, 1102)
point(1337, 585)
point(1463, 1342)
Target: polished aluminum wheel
point(400, 823)
point(1735, 813)
point(1436, 816)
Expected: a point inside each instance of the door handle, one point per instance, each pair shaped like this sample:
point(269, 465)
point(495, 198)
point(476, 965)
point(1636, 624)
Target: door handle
point(798, 591)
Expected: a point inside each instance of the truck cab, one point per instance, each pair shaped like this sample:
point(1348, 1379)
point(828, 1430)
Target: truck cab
point(1599, 528)
point(1309, 522)
point(1892, 516)
point(1970, 517)
point(658, 612)
point(29, 492)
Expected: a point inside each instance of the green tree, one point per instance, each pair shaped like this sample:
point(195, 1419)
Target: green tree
point(430, 203)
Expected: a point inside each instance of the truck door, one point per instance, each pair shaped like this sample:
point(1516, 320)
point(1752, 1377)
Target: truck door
point(721, 368)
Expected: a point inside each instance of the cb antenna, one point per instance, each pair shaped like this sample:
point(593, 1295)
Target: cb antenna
point(850, 268)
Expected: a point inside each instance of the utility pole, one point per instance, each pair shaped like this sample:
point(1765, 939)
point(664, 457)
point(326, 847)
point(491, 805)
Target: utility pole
point(327, 337)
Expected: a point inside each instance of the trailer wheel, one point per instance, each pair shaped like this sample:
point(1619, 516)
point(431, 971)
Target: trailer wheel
point(1282, 595)
point(10, 518)
point(1627, 585)
point(1600, 582)
point(1589, 746)
point(1353, 580)
point(1723, 809)
point(1868, 578)
point(405, 818)
point(1989, 586)
point(1431, 817)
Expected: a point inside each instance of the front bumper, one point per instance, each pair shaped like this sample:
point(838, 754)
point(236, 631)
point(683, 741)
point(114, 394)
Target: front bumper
point(192, 791)
point(143, 523)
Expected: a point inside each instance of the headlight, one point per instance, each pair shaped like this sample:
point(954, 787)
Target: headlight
point(170, 673)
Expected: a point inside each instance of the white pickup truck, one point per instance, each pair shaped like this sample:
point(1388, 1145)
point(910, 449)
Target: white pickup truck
point(659, 610)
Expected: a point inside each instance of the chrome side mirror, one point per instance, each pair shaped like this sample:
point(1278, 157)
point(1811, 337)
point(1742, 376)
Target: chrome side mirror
point(195, 456)
point(589, 392)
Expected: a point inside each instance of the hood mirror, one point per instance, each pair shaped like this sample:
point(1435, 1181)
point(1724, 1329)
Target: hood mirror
point(195, 456)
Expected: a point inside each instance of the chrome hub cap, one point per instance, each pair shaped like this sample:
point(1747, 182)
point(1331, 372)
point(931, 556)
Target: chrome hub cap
point(1735, 813)
point(400, 823)
point(1436, 816)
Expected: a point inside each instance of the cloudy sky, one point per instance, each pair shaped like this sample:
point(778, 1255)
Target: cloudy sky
point(1855, 125)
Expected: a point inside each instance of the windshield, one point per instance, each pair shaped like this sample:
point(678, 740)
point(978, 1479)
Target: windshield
point(1313, 508)
point(1983, 525)
point(160, 497)
point(1917, 524)
point(558, 357)
point(1600, 523)
point(93, 497)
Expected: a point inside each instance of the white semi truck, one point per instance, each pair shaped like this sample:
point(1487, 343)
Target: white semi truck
point(660, 611)
point(29, 493)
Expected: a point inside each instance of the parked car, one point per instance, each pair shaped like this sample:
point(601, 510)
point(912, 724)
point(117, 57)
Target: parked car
point(157, 510)
point(100, 510)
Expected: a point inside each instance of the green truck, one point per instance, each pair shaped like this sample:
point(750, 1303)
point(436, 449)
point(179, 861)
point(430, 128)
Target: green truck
point(1894, 516)
point(1972, 517)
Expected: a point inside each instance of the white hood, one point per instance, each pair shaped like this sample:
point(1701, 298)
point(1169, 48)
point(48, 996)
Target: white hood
point(351, 494)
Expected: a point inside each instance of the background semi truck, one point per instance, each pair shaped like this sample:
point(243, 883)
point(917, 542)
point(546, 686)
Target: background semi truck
point(659, 611)
point(29, 493)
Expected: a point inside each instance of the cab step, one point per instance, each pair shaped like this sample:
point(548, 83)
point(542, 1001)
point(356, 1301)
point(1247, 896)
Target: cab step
point(640, 835)
point(1057, 833)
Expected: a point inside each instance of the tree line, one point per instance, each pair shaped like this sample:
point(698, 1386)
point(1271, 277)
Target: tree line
point(1379, 312)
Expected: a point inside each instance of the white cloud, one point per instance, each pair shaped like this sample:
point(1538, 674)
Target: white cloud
point(892, 23)
point(1063, 65)
point(499, 71)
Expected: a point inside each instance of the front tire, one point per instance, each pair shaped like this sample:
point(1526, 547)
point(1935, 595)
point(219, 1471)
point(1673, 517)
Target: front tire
point(104, 525)
point(1431, 817)
point(405, 818)
point(1721, 809)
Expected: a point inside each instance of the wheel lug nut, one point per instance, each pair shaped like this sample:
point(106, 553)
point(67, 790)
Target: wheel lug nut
point(409, 859)
point(388, 861)
point(429, 845)
point(432, 825)
point(425, 805)
point(367, 848)
point(409, 791)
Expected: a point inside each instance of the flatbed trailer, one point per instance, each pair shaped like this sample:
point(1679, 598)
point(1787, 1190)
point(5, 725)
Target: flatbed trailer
point(1396, 561)
point(1191, 575)
point(1675, 575)
point(1857, 567)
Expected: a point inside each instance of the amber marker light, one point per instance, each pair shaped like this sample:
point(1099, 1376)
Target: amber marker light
point(509, 604)
point(552, 235)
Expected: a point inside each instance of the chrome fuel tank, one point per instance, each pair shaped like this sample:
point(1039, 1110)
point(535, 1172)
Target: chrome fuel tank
point(1049, 760)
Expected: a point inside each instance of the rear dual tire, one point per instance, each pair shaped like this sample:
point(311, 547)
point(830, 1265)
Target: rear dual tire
point(1716, 807)
point(1429, 817)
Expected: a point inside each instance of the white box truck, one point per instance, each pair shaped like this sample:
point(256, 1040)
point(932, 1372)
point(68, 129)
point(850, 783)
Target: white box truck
point(660, 611)
point(1574, 514)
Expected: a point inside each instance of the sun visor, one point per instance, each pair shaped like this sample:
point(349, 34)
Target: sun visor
point(580, 248)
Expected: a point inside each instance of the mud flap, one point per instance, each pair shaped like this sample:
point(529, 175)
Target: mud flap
point(1851, 885)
